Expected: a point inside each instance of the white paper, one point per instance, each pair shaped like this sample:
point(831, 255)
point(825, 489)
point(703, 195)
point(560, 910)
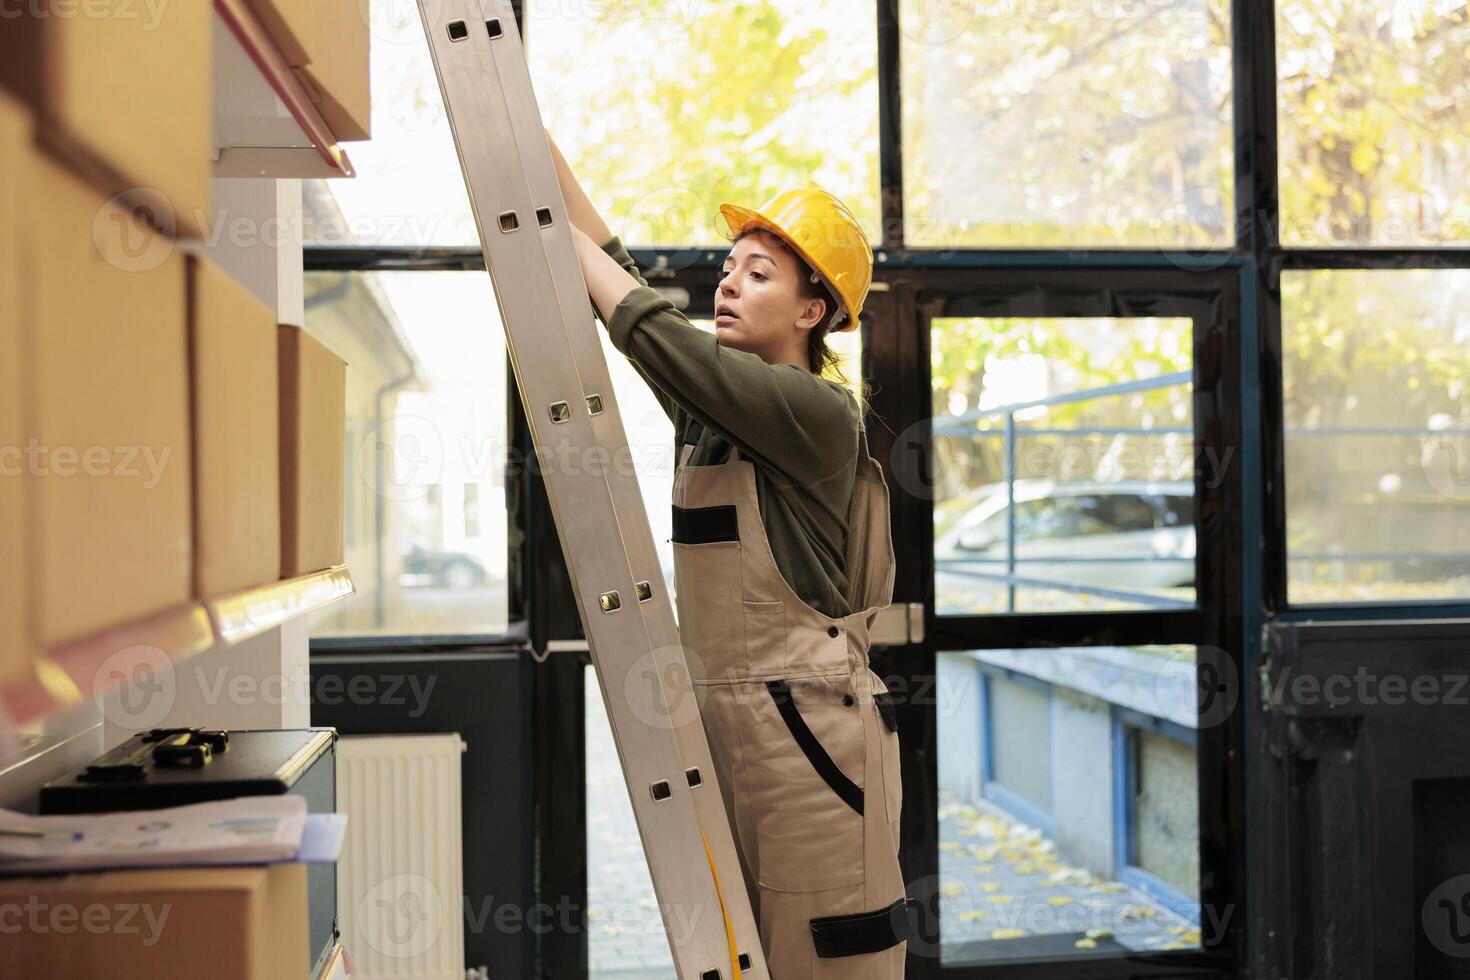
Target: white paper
point(245, 830)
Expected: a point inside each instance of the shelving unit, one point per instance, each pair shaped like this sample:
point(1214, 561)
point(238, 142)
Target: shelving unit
point(69, 673)
point(243, 614)
point(270, 123)
point(125, 599)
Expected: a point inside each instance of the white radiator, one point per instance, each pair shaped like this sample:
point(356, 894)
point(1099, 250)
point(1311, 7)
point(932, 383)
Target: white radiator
point(400, 879)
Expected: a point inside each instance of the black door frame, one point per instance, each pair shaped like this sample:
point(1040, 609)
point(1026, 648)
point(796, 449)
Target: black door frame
point(896, 359)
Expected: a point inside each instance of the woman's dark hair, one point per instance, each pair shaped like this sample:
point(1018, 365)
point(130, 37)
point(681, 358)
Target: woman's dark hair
point(821, 359)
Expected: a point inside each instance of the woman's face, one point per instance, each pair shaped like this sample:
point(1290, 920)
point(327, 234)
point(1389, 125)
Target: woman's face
point(758, 304)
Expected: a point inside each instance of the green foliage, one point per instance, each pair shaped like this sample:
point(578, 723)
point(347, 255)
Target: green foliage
point(1374, 107)
point(680, 111)
point(1050, 124)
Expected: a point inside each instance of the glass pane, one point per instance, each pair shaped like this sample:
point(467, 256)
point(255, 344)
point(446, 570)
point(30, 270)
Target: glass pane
point(409, 189)
point(651, 448)
point(1376, 375)
point(1373, 102)
point(1039, 125)
point(734, 107)
point(849, 350)
point(1099, 513)
point(426, 452)
point(1068, 803)
point(626, 939)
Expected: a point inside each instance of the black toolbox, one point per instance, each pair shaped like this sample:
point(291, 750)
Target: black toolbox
point(177, 766)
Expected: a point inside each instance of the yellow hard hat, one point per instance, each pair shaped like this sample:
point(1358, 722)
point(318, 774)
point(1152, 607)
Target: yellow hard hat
point(823, 232)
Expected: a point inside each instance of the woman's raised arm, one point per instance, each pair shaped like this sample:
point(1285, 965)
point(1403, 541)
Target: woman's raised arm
point(607, 282)
point(579, 206)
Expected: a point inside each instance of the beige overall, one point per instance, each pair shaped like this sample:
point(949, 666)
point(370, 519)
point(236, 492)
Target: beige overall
point(802, 733)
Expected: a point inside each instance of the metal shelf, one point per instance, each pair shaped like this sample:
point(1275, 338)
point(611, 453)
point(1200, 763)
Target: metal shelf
point(244, 614)
point(70, 673)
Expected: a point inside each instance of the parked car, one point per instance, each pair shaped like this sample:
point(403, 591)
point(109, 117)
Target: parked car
point(446, 569)
point(1124, 535)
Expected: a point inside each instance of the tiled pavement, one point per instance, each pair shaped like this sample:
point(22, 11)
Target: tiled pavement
point(627, 940)
point(1000, 883)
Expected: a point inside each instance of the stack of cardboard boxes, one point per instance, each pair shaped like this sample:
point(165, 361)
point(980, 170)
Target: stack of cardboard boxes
point(222, 923)
point(163, 441)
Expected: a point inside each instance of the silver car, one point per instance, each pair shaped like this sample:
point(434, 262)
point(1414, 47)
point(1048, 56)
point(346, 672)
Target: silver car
point(1124, 537)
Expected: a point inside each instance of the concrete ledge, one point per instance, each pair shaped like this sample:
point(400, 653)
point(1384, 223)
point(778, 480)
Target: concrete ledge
point(1155, 684)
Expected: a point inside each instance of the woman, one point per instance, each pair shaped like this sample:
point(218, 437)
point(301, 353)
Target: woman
point(782, 557)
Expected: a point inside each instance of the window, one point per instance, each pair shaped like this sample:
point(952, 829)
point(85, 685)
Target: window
point(408, 189)
point(626, 936)
point(471, 510)
point(1373, 107)
point(1068, 802)
point(734, 107)
point(426, 403)
point(1096, 415)
point(1041, 125)
point(1376, 376)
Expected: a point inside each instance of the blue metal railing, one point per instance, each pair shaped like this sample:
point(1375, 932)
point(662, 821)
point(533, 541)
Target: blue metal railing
point(967, 425)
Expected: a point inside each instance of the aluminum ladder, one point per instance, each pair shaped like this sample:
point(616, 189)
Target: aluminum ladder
point(627, 616)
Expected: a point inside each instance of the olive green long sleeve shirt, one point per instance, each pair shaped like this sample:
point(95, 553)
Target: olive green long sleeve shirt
point(800, 431)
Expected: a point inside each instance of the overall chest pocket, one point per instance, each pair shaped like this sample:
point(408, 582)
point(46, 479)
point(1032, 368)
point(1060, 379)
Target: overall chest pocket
point(708, 588)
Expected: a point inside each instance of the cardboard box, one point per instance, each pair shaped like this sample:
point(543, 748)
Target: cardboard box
point(123, 92)
point(313, 448)
point(337, 76)
point(229, 923)
point(106, 407)
point(236, 433)
point(328, 42)
point(15, 138)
